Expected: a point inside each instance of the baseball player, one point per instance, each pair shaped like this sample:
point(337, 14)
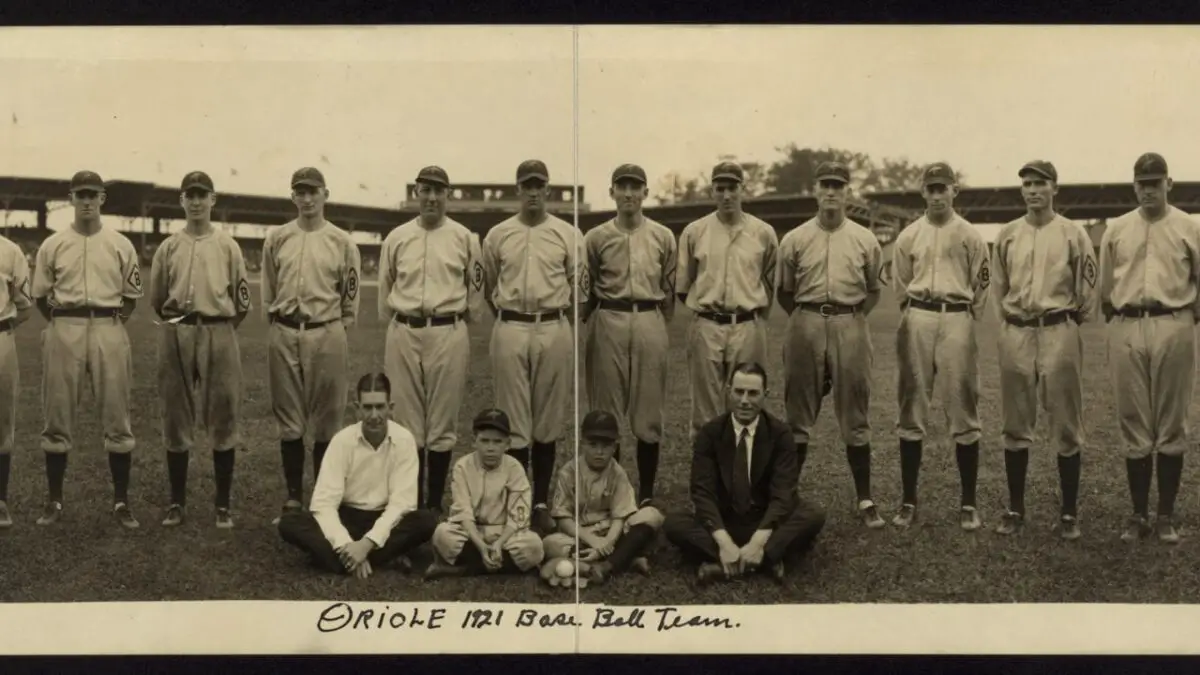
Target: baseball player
point(604, 523)
point(726, 276)
point(631, 262)
point(86, 283)
point(310, 277)
point(490, 509)
point(198, 287)
point(1045, 278)
point(431, 277)
point(829, 282)
point(15, 308)
point(536, 283)
point(940, 266)
point(1150, 296)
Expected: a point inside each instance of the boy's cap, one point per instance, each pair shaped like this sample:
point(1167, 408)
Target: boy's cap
point(492, 418)
point(601, 425)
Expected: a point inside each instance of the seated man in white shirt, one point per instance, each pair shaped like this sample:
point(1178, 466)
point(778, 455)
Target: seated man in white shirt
point(364, 506)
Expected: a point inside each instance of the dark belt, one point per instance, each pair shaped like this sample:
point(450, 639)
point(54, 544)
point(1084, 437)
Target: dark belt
point(728, 318)
point(201, 320)
point(630, 305)
point(1143, 312)
point(828, 309)
point(941, 307)
point(299, 325)
point(426, 321)
point(1045, 320)
point(86, 313)
point(535, 317)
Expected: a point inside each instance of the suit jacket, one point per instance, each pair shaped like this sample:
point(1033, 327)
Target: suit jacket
point(774, 473)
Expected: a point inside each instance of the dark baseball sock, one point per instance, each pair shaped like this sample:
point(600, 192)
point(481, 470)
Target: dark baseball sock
point(318, 453)
point(801, 455)
point(1068, 479)
point(521, 455)
point(439, 468)
point(509, 565)
point(910, 469)
point(543, 471)
point(1140, 472)
point(422, 471)
point(1016, 466)
point(471, 559)
point(223, 476)
point(630, 546)
point(56, 471)
point(859, 458)
point(292, 454)
point(647, 466)
point(967, 457)
point(177, 475)
point(1170, 471)
point(5, 469)
point(119, 464)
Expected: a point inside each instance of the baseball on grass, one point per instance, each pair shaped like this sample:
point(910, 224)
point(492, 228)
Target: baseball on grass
point(564, 568)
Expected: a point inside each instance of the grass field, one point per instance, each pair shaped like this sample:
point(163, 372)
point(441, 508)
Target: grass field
point(88, 557)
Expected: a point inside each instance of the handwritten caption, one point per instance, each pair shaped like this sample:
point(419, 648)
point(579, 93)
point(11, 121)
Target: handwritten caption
point(345, 617)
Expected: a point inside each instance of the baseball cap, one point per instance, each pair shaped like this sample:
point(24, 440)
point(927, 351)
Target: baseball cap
point(492, 418)
point(1041, 167)
point(600, 425)
point(196, 179)
point(628, 172)
point(532, 168)
point(434, 175)
point(833, 171)
point(308, 176)
point(87, 180)
point(939, 173)
point(1150, 166)
point(728, 171)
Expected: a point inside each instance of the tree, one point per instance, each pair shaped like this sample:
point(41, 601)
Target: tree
point(674, 188)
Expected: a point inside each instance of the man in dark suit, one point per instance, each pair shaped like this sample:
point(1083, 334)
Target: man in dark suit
point(747, 515)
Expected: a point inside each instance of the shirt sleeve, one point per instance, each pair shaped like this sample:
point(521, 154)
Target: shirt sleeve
point(577, 268)
point(158, 279)
point(386, 279)
point(622, 503)
point(1106, 266)
point(981, 275)
point(873, 269)
point(403, 468)
point(239, 282)
point(43, 272)
point(518, 506)
point(770, 267)
point(352, 269)
point(999, 272)
point(902, 267)
point(491, 265)
point(131, 270)
point(670, 263)
point(327, 495)
point(270, 275)
point(686, 269)
point(475, 276)
point(1086, 274)
point(461, 508)
point(563, 503)
point(786, 266)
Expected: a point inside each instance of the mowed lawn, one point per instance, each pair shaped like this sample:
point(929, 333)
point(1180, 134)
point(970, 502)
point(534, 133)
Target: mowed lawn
point(88, 557)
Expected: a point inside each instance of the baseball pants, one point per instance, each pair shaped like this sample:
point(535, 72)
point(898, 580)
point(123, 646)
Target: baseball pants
point(626, 363)
point(93, 352)
point(842, 344)
point(524, 546)
point(1049, 359)
point(308, 370)
point(713, 351)
point(10, 383)
point(200, 377)
point(1153, 366)
point(302, 531)
point(795, 534)
point(934, 345)
point(428, 368)
point(559, 545)
point(532, 368)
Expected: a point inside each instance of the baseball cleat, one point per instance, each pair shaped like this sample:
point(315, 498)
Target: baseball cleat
point(869, 513)
point(291, 506)
point(125, 516)
point(1166, 530)
point(50, 514)
point(648, 501)
point(709, 572)
point(1137, 527)
point(778, 572)
point(403, 564)
point(640, 565)
point(906, 517)
point(174, 516)
point(5, 516)
point(968, 518)
point(1010, 523)
point(1069, 528)
point(541, 521)
point(439, 569)
point(224, 519)
point(600, 572)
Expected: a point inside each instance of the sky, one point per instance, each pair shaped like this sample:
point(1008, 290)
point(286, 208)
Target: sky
point(370, 106)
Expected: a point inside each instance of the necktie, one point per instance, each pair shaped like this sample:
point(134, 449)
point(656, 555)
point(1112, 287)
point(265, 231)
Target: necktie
point(741, 474)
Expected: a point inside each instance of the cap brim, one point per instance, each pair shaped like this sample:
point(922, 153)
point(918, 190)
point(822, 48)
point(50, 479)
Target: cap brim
point(193, 186)
point(533, 176)
point(727, 176)
point(600, 436)
point(433, 181)
point(629, 176)
point(840, 179)
point(494, 427)
point(311, 182)
point(939, 181)
point(1034, 170)
point(1157, 175)
point(88, 186)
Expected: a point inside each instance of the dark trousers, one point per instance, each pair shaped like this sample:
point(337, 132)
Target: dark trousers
point(302, 531)
point(795, 534)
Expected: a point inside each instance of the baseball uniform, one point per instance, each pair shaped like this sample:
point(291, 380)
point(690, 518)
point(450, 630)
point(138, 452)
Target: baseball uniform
point(941, 276)
point(199, 288)
point(310, 294)
point(828, 275)
point(83, 282)
point(430, 283)
point(1150, 286)
point(633, 299)
point(15, 305)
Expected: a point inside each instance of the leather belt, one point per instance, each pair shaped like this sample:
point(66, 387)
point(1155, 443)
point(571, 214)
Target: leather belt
point(299, 325)
point(86, 313)
point(941, 307)
point(1143, 312)
point(535, 317)
point(426, 321)
point(630, 305)
point(727, 318)
point(1045, 320)
point(828, 309)
point(201, 320)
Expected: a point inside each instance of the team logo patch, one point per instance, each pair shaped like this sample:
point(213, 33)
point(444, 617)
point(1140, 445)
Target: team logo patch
point(520, 512)
point(1089, 272)
point(985, 276)
point(243, 294)
point(585, 283)
point(25, 290)
point(135, 277)
point(477, 276)
point(352, 284)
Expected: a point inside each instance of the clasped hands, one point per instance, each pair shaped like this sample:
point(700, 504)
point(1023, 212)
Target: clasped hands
point(738, 560)
point(354, 557)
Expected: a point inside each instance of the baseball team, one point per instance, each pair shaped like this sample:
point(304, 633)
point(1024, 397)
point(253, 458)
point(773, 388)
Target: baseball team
point(379, 485)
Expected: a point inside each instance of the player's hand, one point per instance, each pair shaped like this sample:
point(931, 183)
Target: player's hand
point(606, 547)
point(751, 557)
point(589, 555)
point(730, 556)
point(591, 540)
point(493, 557)
point(363, 571)
point(355, 554)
